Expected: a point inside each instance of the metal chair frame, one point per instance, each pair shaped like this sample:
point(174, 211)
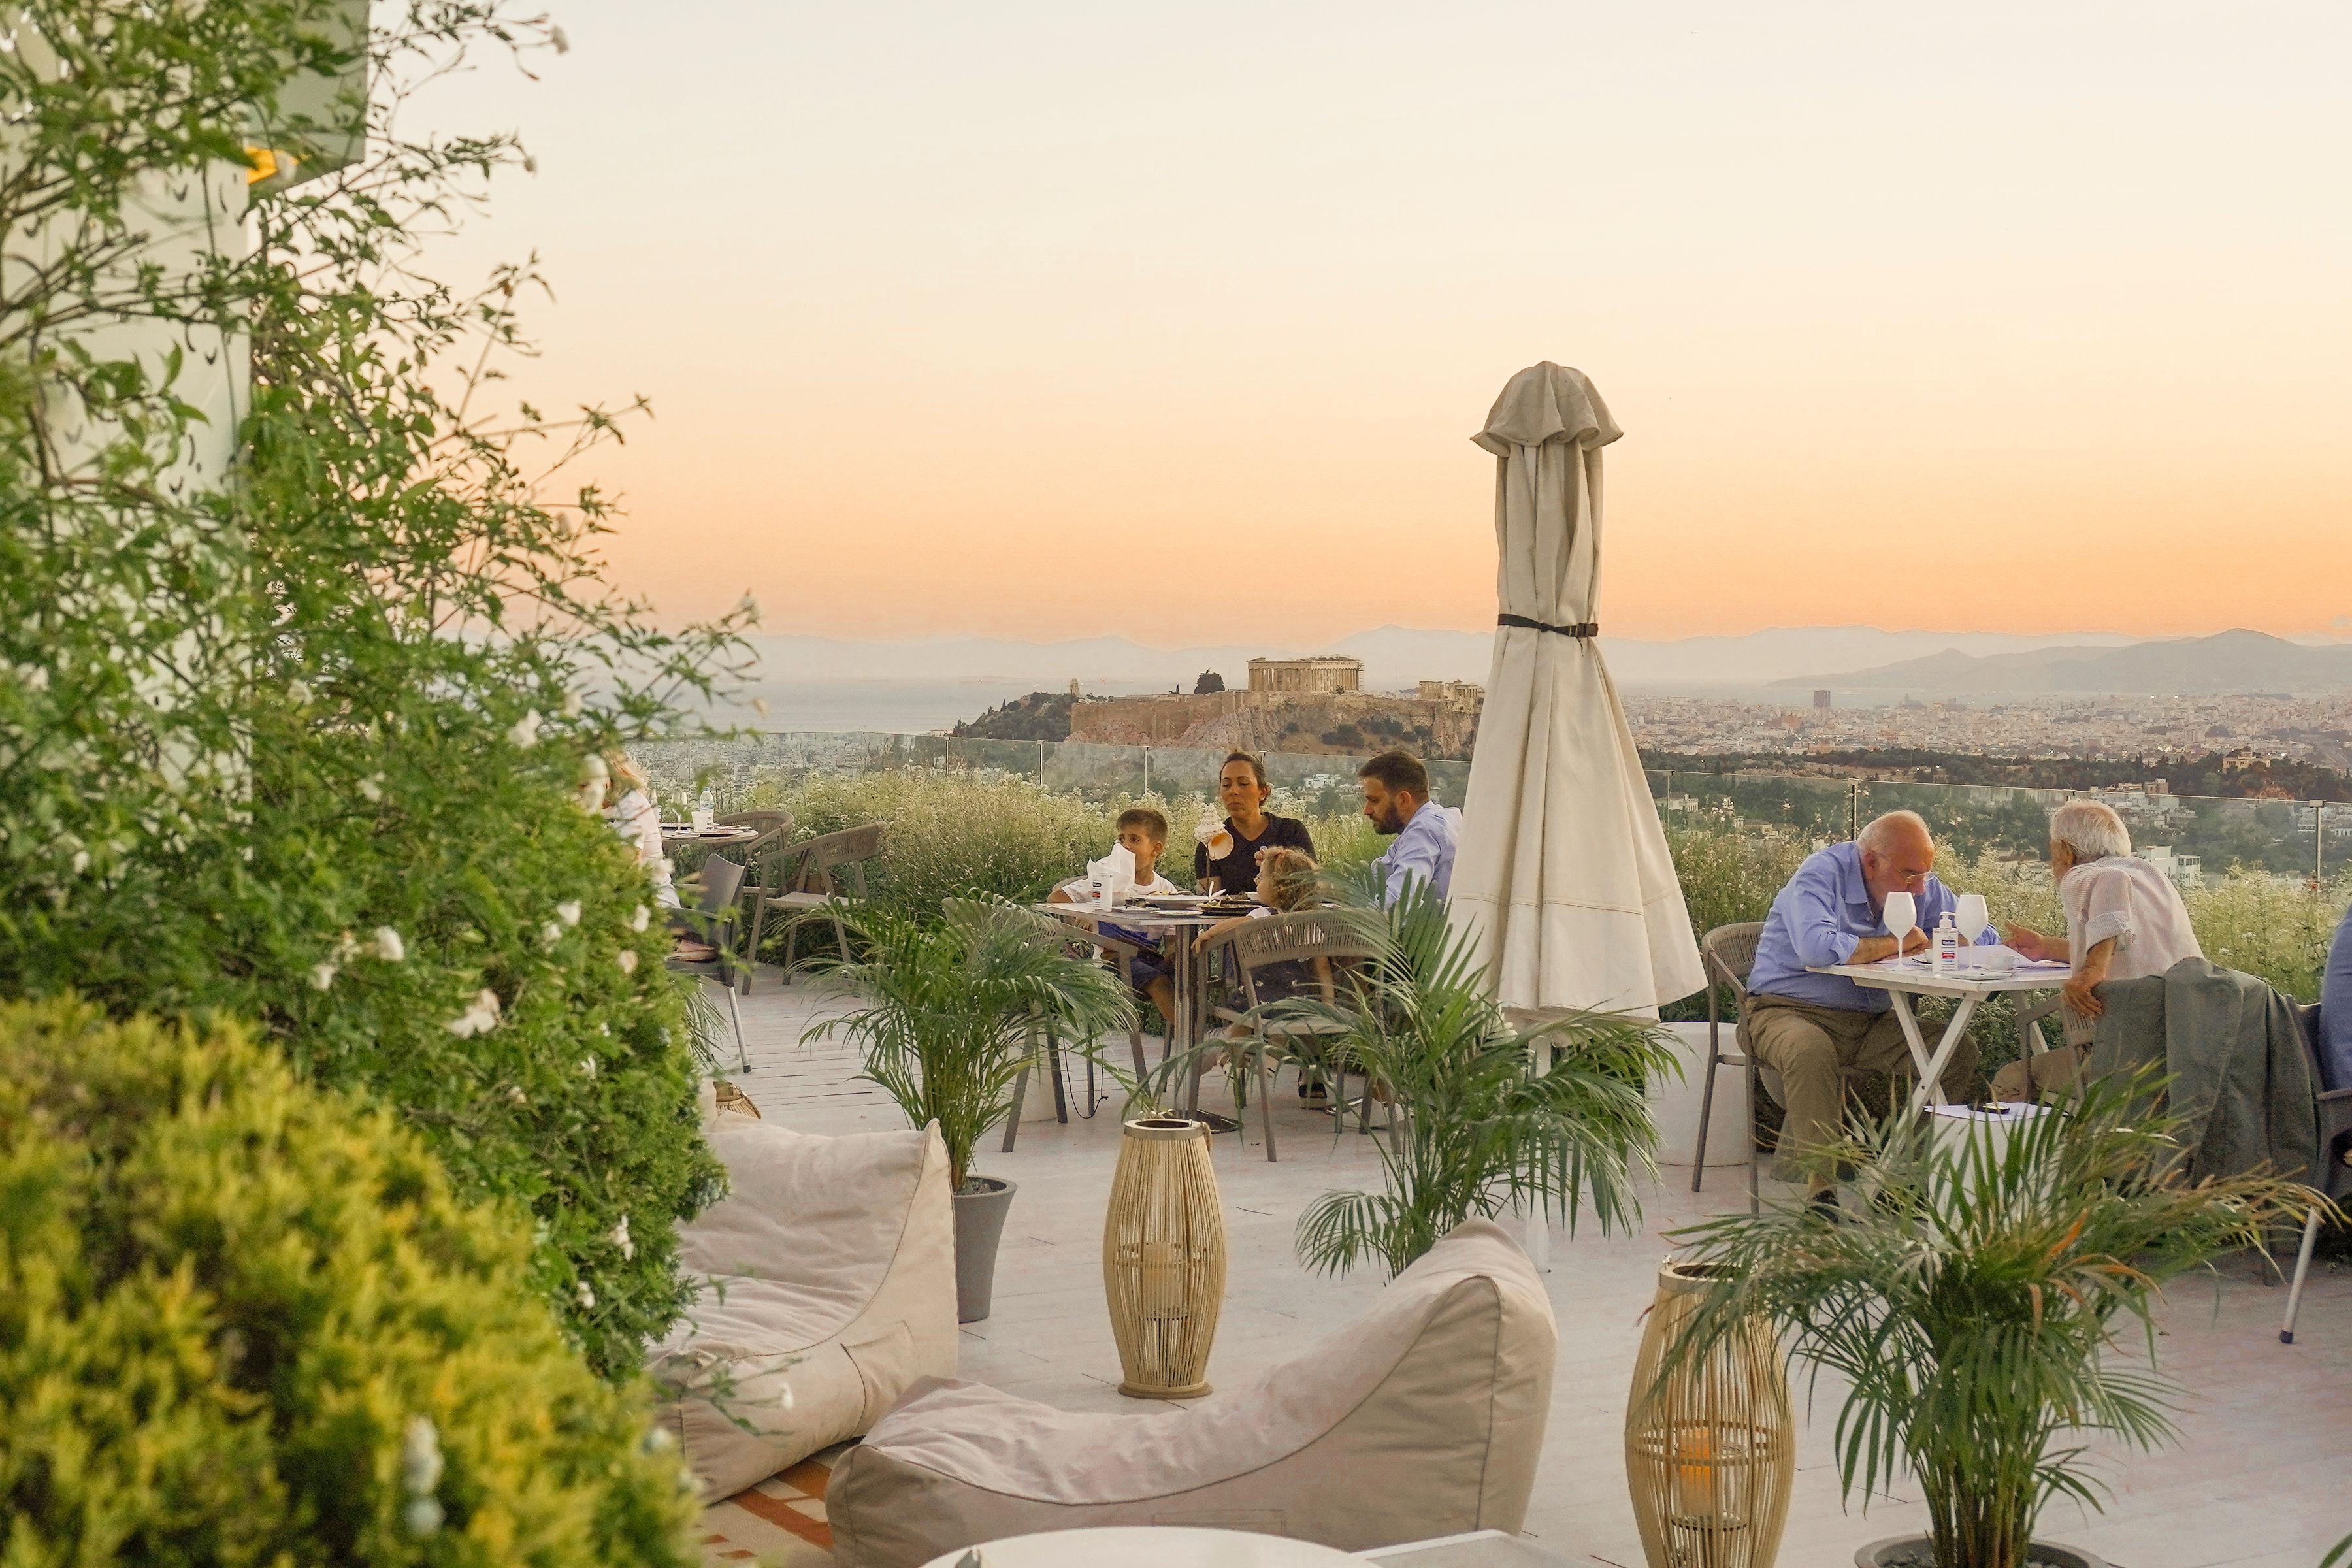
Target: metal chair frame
point(1727, 953)
point(714, 919)
point(1318, 936)
point(810, 886)
point(2332, 1160)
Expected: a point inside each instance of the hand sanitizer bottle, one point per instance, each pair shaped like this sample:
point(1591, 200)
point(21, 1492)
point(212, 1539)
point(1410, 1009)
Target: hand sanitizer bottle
point(1948, 946)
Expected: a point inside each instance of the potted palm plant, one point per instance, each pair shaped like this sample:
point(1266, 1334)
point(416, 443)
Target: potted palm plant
point(945, 1015)
point(1973, 1306)
point(1489, 1117)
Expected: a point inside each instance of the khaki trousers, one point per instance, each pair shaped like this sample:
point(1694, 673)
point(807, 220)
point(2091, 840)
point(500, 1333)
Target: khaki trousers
point(2047, 1073)
point(1814, 1050)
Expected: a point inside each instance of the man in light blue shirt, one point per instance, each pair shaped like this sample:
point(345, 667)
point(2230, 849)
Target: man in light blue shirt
point(1815, 1030)
point(1396, 801)
point(2336, 1011)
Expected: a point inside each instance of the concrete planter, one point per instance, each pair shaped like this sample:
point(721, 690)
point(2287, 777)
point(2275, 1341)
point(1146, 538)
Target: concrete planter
point(1914, 1552)
point(979, 1212)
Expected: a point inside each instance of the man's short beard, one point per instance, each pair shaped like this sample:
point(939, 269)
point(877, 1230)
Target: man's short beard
point(1389, 824)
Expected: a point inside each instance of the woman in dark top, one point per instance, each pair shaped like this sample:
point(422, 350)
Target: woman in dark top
point(1242, 790)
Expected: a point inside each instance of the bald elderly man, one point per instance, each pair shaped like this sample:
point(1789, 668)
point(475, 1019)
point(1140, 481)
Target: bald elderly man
point(1816, 1029)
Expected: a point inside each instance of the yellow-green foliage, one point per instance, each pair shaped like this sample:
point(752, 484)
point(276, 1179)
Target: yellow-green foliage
point(244, 1320)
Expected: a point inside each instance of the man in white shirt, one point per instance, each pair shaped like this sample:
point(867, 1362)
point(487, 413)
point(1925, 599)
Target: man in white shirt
point(1396, 801)
point(2125, 920)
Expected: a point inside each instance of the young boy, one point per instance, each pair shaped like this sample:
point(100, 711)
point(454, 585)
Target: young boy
point(1142, 833)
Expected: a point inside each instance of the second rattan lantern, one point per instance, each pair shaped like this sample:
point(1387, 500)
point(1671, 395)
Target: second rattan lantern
point(1710, 1451)
point(1164, 1257)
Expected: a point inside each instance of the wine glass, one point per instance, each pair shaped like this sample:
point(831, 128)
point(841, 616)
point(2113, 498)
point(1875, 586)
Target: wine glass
point(1971, 917)
point(1902, 917)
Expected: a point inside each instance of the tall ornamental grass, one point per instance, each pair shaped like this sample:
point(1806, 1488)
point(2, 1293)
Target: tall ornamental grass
point(963, 833)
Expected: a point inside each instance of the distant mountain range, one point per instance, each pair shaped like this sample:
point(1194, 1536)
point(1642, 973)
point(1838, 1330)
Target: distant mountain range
point(2226, 661)
point(812, 682)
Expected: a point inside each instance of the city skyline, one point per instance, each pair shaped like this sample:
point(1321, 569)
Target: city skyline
point(1060, 322)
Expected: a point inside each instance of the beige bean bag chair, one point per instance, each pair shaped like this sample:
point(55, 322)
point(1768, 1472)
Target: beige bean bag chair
point(828, 1286)
point(1422, 1418)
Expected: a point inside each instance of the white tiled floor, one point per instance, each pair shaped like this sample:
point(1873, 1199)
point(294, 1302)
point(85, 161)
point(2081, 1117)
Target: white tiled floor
point(2263, 1477)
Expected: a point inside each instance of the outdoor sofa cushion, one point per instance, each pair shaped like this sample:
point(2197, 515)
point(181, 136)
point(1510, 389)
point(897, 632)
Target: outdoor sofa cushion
point(827, 1282)
point(1422, 1418)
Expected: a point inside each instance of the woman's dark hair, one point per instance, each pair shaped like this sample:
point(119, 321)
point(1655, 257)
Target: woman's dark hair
point(1400, 771)
point(1256, 767)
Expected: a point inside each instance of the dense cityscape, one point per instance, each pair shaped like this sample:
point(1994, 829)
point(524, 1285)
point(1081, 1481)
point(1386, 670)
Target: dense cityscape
point(2316, 729)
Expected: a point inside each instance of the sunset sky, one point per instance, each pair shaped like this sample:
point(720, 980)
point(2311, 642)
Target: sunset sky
point(1057, 321)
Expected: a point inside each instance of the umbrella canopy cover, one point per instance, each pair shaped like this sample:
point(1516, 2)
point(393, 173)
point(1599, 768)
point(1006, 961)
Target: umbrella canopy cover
point(1562, 875)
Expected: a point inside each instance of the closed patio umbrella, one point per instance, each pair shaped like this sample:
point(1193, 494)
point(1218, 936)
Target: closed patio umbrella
point(1561, 874)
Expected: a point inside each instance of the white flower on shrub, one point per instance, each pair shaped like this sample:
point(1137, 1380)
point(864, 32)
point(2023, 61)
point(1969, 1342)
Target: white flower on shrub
point(573, 706)
point(321, 976)
point(388, 945)
point(515, 1093)
point(587, 1066)
point(36, 678)
point(587, 1297)
point(80, 861)
point(478, 1019)
point(642, 918)
point(525, 732)
point(298, 692)
point(627, 960)
point(568, 911)
point(621, 1240)
point(550, 934)
point(420, 1473)
point(593, 777)
point(373, 788)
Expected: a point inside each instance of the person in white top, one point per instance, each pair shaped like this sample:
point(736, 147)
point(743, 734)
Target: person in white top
point(629, 808)
point(2125, 920)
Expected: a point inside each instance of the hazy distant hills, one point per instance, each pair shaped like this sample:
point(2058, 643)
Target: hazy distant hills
point(1394, 657)
point(2227, 661)
point(920, 684)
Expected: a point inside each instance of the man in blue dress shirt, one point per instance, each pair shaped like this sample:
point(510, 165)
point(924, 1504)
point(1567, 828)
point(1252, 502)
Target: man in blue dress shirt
point(1816, 1029)
point(2336, 1011)
point(1396, 801)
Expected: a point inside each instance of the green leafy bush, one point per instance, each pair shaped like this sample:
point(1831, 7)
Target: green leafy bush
point(243, 1320)
point(303, 749)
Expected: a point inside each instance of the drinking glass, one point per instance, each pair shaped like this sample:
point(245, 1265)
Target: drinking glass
point(1973, 917)
point(1902, 915)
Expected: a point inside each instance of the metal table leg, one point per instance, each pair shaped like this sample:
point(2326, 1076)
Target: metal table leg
point(1931, 1064)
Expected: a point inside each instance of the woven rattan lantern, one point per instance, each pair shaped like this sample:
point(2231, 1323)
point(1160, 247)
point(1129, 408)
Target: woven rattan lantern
point(1164, 1257)
point(1711, 1452)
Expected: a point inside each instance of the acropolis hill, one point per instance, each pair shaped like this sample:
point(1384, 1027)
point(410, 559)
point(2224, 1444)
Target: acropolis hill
point(1292, 705)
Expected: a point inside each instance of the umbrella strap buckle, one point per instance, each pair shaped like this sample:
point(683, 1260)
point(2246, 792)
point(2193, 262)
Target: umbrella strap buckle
point(1580, 629)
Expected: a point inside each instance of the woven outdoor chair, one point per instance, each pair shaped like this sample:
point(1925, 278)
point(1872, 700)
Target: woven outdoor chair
point(1330, 941)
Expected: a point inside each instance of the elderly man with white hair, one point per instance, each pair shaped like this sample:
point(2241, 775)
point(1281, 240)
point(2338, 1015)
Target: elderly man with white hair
point(1815, 1030)
point(2123, 919)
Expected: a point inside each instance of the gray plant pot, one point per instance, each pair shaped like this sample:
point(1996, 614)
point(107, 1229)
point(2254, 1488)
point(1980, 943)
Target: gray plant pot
point(979, 1224)
point(1914, 1552)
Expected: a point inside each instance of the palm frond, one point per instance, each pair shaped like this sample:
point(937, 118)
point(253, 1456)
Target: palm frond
point(1972, 1303)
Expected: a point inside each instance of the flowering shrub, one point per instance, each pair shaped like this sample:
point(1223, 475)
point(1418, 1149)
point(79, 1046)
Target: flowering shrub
point(305, 749)
point(243, 1320)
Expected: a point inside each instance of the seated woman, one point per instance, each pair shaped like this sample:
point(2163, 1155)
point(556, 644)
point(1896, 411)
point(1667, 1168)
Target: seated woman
point(1250, 830)
point(2123, 919)
point(629, 808)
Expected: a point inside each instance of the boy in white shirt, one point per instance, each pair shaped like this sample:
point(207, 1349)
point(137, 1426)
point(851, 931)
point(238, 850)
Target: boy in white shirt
point(1142, 833)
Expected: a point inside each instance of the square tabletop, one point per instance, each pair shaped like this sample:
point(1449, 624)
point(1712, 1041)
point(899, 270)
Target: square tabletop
point(1919, 979)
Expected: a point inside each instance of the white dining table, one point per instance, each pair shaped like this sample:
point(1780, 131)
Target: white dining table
point(1904, 978)
point(1177, 928)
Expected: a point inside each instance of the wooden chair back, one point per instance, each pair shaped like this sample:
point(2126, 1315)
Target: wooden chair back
point(822, 855)
point(1330, 939)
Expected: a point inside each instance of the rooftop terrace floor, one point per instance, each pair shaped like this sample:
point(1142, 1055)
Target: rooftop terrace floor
point(2261, 1477)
